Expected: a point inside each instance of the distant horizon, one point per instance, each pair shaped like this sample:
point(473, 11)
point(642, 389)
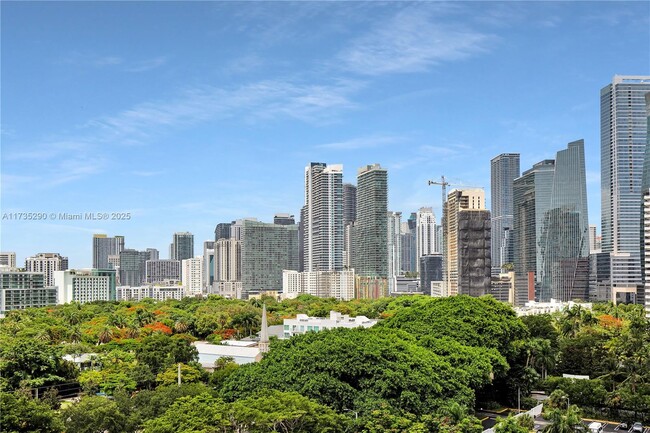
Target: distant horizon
point(186, 115)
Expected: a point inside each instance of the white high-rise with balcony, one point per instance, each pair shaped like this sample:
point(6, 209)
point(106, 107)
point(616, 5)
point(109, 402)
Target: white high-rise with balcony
point(323, 217)
point(425, 233)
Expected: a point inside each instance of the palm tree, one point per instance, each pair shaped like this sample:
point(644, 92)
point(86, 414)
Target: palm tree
point(75, 334)
point(105, 335)
point(454, 411)
point(181, 326)
point(564, 421)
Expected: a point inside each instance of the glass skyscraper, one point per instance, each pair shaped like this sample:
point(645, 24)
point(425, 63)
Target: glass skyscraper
point(504, 170)
point(371, 227)
point(623, 135)
point(564, 241)
point(551, 229)
point(182, 246)
point(531, 201)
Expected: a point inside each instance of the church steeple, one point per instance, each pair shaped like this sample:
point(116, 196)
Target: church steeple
point(264, 333)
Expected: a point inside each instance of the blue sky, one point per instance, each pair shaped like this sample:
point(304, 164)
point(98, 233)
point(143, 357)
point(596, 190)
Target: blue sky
point(190, 114)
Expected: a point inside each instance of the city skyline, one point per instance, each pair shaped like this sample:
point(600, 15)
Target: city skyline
point(266, 91)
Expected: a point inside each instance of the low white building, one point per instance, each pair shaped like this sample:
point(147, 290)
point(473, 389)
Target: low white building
point(553, 306)
point(324, 284)
point(159, 293)
point(242, 352)
point(303, 323)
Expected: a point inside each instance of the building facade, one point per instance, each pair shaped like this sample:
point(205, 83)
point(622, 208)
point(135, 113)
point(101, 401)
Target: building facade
point(349, 203)
point(394, 248)
point(192, 276)
point(284, 219)
point(532, 200)
point(431, 274)
point(267, 250)
point(564, 241)
point(8, 260)
point(303, 323)
point(157, 293)
point(504, 170)
point(623, 139)
point(47, 264)
point(133, 269)
point(20, 290)
point(103, 246)
point(371, 226)
point(182, 246)
point(324, 284)
point(425, 234)
point(85, 285)
point(323, 218)
point(157, 271)
point(467, 236)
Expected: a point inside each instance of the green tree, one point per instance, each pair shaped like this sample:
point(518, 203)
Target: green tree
point(94, 415)
point(199, 414)
point(564, 421)
point(31, 363)
point(189, 374)
point(510, 425)
point(21, 413)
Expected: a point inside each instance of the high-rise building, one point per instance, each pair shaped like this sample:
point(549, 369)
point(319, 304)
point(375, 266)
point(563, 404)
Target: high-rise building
point(532, 200)
point(551, 229)
point(154, 254)
point(208, 264)
point(349, 203)
point(103, 246)
point(425, 233)
point(166, 270)
point(284, 219)
point(564, 241)
point(323, 218)
point(599, 278)
point(467, 236)
point(8, 260)
point(409, 246)
point(645, 221)
point(20, 290)
point(623, 139)
point(431, 272)
point(266, 250)
point(85, 285)
point(504, 170)
point(227, 268)
point(371, 227)
point(46, 263)
point(222, 231)
point(182, 246)
point(394, 248)
point(133, 270)
point(192, 276)
point(324, 284)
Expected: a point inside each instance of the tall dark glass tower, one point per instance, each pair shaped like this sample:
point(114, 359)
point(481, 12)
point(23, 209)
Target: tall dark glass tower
point(564, 241)
point(531, 201)
point(182, 246)
point(504, 170)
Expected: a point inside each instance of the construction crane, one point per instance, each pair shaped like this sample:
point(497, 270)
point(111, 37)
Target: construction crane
point(444, 184)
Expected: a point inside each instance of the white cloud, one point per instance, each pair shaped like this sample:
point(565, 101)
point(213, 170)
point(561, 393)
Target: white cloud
point(269, 99)
point(362, 142)
point(412, 41)
point(148, 64)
